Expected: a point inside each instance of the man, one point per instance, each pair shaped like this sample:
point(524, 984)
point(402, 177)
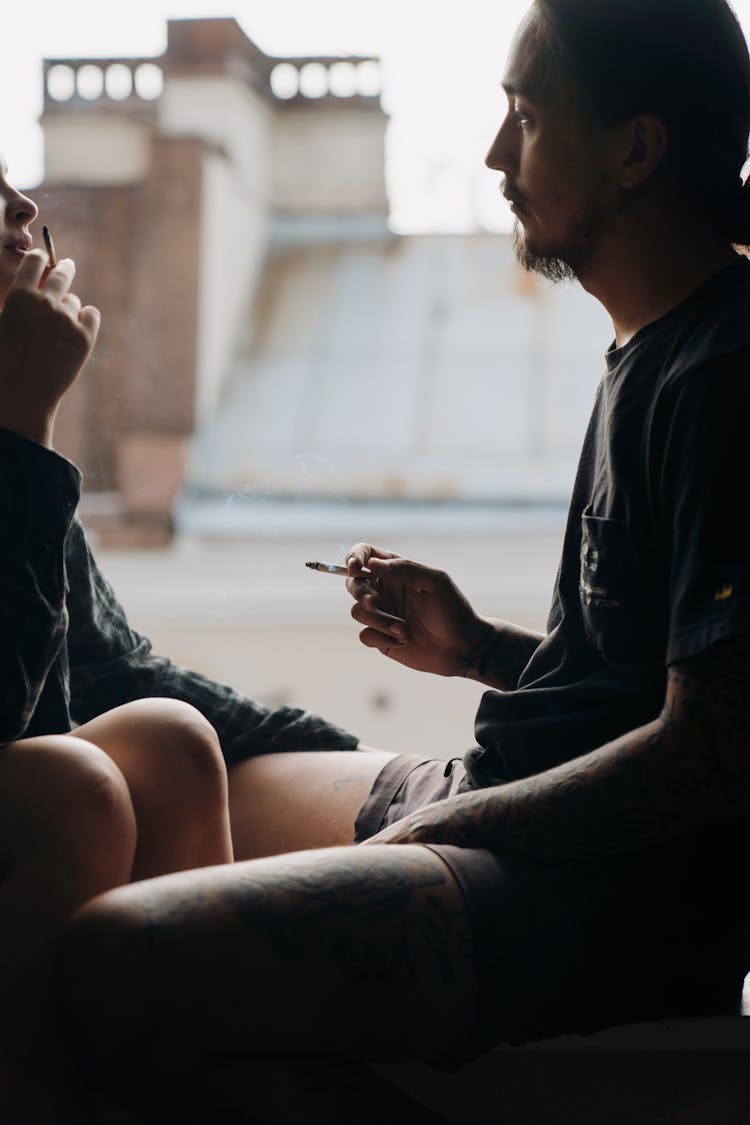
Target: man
point(582, 866)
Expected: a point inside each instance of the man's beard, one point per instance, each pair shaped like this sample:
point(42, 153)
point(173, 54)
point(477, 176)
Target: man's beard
point(567, 264)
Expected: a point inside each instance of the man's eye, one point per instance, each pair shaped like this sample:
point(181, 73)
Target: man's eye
point(518, 115)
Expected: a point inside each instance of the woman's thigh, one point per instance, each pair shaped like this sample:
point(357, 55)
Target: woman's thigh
point(360, 952)
point(282, 803)
point(67, 833)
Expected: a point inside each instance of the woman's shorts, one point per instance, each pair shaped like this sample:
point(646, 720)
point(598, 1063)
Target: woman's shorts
point(574, 947)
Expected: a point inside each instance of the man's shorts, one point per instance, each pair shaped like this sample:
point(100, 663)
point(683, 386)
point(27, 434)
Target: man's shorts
point(576, 946)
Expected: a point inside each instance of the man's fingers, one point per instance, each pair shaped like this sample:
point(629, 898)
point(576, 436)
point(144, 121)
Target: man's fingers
point(391, 629)
point(358, 556)
point(383, 642)
point(414, 574)
point(386, 622)
point(360, 588)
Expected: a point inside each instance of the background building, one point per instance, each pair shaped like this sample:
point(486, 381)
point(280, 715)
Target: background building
point(279, 375)
point(170, 180)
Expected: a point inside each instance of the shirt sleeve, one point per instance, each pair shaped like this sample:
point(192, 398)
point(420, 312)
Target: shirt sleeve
point(39, 491)
point(705, 483)
point(111, 664)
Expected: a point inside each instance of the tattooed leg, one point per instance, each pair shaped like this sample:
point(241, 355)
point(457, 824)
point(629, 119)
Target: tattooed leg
point(313, 1090)
point(344, 953)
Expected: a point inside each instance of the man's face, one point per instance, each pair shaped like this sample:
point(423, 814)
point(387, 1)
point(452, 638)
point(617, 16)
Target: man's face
point(17, 212)
point(552, 152)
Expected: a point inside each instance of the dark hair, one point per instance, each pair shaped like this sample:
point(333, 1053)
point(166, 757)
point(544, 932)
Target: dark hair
point(686, 61)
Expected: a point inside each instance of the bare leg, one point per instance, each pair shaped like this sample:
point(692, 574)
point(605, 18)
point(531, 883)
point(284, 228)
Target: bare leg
point(341, 954)
point(67, 832)
point(171, 760)
point(288, 802)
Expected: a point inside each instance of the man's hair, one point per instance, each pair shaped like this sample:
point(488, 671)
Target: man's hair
point(686, 62)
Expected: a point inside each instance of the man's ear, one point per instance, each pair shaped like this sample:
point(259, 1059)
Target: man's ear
point(642, 144)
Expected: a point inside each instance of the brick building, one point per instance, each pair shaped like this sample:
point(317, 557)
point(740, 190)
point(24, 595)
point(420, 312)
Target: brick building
point(167, 179)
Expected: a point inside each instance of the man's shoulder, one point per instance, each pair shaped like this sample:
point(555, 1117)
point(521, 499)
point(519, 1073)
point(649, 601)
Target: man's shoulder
point(704, 346)
point(715, 325)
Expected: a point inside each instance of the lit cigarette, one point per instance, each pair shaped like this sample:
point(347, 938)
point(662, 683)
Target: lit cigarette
point(49, 246)
point(327, 568)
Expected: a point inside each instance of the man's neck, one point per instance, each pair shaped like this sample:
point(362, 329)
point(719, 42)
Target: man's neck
point(641, 274)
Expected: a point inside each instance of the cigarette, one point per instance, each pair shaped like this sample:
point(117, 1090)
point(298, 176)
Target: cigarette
point(49, 246)
point(327, 568)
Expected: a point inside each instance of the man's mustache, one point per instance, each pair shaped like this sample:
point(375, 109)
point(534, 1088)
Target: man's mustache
point(511, 194)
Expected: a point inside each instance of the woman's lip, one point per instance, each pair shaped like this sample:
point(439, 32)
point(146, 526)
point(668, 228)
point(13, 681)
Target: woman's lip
point(16, 251)
point(20, 245)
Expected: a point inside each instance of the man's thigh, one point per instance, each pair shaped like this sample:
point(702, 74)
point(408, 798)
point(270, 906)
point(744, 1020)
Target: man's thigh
point(294, 801)
point(354, 952)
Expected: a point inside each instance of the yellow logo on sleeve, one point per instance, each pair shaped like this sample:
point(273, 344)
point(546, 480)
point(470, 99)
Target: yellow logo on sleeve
point(723, 592)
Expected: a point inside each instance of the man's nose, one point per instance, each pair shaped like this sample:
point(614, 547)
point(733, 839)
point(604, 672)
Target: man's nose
point(501, 155)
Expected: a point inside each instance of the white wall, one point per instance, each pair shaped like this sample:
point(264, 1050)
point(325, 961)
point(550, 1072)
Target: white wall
point(234, 236)
point(96, 149)
point(329, 159)
point(234, 211)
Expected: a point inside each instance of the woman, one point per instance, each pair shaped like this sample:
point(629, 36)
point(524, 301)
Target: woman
point(138, 791)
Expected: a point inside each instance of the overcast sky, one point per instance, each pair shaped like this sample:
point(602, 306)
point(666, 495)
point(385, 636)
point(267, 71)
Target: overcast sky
point(442, 62)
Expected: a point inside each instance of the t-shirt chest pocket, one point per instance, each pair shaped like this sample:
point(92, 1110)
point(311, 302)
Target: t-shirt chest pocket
point(608, 605)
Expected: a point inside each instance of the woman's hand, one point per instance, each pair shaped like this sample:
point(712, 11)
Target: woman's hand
point(45, 339)
point(414, 614)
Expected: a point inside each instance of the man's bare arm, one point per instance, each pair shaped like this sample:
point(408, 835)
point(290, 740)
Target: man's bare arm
point(686, 769)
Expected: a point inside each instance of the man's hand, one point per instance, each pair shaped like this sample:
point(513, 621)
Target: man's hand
point(45, 339)
point(414, 614)
point(444, 822)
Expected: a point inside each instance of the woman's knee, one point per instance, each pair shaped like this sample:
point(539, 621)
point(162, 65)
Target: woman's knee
point(63, 792)
point(169, 743)
point(193, 746)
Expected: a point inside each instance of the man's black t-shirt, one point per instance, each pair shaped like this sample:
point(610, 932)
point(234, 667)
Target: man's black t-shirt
point(656, 560)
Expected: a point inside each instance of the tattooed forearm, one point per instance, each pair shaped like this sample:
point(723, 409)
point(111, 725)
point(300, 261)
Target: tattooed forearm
point(688, 768)
point(501, 655)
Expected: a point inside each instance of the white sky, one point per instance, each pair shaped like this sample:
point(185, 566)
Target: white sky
point(442, 62)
